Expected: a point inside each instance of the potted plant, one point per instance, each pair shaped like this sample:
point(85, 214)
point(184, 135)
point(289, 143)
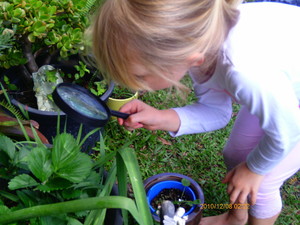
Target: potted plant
point(181, 190)
point(37, 33)
point(120, 96)
point(50, 184)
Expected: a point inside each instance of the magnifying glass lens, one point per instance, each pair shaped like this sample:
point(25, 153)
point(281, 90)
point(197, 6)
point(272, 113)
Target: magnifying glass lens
point(82, 103)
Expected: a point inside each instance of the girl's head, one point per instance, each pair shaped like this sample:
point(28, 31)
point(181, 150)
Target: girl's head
point(160, 37)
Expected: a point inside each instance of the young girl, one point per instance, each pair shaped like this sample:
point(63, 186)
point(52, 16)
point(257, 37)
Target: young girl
point(249, 53)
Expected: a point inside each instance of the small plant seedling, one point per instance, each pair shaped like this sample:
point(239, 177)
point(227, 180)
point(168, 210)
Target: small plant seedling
point(185, 183)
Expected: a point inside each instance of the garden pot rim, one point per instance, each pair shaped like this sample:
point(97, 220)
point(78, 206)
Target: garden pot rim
point(134, 95)
point(155, 189)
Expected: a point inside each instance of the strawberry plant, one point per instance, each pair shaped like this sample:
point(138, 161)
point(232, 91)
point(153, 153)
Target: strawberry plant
point(59, 184)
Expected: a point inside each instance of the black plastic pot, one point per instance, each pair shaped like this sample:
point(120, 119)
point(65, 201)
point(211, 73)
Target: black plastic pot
point(153, 185)
point(48, 120)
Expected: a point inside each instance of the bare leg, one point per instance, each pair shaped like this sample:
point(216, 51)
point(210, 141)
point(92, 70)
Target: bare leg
point(232, 217)
point(269, 221)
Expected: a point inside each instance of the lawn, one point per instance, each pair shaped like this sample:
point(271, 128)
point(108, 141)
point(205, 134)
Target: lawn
point(198, 156)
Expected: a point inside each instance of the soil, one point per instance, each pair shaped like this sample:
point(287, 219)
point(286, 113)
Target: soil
point(174, 195)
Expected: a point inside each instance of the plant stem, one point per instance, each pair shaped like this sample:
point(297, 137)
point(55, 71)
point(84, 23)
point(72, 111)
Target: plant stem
point(70, 206)
point(32, 65)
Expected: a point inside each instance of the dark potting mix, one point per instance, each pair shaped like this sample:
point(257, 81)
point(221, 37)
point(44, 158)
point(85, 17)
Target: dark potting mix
point(176, 196)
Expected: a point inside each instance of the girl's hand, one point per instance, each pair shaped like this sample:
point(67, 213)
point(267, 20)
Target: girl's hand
point(143, 115)
point(242, 182)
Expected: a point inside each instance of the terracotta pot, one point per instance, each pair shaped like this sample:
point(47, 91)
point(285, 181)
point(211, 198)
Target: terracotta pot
point(156, 183)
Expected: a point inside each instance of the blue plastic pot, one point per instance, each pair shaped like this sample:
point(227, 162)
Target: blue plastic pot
point(155, 184)
point(157, 188)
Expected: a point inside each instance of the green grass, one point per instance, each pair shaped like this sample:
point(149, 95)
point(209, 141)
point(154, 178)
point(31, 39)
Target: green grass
point(198, 156)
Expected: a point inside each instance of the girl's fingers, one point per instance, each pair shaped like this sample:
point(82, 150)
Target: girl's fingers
point(229, 189)
point(228, 176)
point(120, 121)
point(253, 197)
point(242, 197)
point(234, 196)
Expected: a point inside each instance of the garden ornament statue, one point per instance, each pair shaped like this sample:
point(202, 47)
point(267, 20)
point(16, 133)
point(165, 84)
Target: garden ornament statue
point(169, 216)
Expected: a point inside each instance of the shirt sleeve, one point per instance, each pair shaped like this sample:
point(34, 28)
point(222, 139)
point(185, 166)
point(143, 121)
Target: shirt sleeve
point(211, 111)
point(270, 96)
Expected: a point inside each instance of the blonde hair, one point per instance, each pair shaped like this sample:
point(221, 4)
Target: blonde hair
point(158, 34)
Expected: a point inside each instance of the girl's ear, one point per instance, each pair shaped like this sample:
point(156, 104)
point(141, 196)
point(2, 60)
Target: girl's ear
point(196, 59)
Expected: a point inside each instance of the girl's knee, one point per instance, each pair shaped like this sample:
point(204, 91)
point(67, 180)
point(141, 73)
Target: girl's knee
point(267, 205)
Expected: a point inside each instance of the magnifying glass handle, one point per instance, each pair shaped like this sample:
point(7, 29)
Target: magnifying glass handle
point(119, 114)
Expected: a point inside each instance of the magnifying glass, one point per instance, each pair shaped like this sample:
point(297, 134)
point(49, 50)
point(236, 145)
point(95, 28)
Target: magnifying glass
point(80, 104)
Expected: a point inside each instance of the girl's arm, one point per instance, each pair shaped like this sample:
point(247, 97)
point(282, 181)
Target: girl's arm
point(269, 95)
point(148, 117)
point(212, 111)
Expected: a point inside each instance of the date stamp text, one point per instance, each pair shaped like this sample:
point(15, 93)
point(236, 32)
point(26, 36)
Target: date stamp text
point(225, 206)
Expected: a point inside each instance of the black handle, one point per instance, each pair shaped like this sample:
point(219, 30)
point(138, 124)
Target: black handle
point(119, 114)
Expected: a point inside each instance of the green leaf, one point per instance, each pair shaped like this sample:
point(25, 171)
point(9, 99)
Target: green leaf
point(52, 10)
point(72, 221)
point(21, 158)
point(65, 150)
point(54, 184)
point(15, 20)
point(77, 170)
point(39, 163)
point(71, 193)
point(185, 182)
point(18, 12)
point(37, 4)
point(28, 197)
point(31, 37)
point(71, 206)
point(4, 209)
point(132, 166)
point(9, 196)
point(93, 180)
point(21, 181)
point(39, 27)
point(4, 160)
point(54, 219)
point(7, 145)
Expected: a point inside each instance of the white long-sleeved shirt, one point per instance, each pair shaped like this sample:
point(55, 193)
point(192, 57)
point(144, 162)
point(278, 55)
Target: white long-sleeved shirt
point(260, 69)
